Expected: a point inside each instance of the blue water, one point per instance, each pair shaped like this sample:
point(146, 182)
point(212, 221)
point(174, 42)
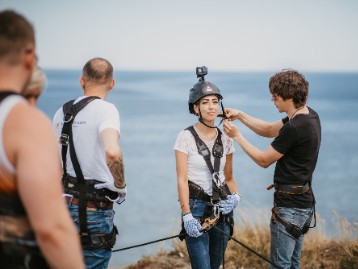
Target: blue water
point(153, 109)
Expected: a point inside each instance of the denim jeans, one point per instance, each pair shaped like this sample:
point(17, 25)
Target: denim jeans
point(100, 221)
point(206, 251)
point(286, 249)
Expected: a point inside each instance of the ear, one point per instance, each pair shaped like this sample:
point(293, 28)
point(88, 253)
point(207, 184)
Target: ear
point(111, 86)
point(196, 109)
point(30, 60)
point(82, 82)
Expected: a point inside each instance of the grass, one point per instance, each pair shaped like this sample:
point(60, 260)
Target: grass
point(320, 251)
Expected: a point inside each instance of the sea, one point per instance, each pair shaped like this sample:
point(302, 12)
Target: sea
point(153, 109)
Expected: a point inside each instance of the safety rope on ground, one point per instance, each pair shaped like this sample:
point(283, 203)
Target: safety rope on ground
point(150, 242)
point(248, 248)
point(183, 234)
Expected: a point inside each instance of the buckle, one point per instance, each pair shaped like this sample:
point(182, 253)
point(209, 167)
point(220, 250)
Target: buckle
point(68, 198)
point(64, 138)
point(67, 118)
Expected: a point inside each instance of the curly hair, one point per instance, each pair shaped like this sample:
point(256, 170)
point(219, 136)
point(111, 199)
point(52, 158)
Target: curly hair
point(290, 84)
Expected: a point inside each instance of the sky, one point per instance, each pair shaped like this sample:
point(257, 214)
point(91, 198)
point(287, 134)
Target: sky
point(226, 35)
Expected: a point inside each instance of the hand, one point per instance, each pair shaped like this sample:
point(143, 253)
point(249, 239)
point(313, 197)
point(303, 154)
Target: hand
point(122, 192)
point(228, 205)
point(230, 129)
point(232, 114)
point(191, 225)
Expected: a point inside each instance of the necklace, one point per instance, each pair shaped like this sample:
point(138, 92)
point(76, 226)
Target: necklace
point(294, 114)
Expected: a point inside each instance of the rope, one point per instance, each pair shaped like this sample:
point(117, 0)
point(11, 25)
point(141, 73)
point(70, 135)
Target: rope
point(248, 248)
point(182, 234)
point(150, 242)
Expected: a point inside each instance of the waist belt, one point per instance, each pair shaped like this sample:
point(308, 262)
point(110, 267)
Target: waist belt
point(72, 187)
point(196, 192)
point(90, 204)
point(290, 188)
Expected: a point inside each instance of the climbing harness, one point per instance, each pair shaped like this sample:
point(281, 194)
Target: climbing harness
point(292, 189)
point(219, 190)
point(79, 191)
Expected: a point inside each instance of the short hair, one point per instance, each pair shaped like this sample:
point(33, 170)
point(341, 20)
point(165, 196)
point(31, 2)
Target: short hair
point(98, 71)
point(290, 84)
point(16, 35)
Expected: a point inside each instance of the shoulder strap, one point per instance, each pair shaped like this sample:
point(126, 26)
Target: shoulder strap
point(5, 94)
point(70, 111)
point(204, 151)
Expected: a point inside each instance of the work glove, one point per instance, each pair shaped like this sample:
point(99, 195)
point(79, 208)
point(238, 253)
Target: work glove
point(191, 225)
point(226, 206)
point(122, 192)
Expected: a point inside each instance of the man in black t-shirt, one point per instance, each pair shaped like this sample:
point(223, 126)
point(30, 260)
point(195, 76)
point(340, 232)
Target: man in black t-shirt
point(295, 149)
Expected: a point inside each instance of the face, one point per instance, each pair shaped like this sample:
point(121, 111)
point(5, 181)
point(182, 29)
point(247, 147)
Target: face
point(209, 107)
point(281, 104)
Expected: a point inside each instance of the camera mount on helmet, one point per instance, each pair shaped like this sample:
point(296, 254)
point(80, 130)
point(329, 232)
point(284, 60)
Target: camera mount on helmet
point(201, 72)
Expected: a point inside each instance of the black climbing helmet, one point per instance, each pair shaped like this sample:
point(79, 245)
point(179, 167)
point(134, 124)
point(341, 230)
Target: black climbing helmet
point(201, 89)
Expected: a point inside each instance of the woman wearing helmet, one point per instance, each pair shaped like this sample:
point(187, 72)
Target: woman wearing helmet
point(206, 187)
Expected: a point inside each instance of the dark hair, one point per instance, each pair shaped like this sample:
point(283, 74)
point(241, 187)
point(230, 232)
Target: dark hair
point(290, 84)
point(98, 70)
point(16, 33)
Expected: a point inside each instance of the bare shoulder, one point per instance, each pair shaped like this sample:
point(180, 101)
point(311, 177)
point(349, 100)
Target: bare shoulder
point(25, 127)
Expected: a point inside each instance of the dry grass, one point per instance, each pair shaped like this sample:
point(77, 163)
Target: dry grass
point(319, 252)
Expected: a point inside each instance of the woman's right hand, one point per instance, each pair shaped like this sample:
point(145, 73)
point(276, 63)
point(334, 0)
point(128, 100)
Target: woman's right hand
point(191, 225)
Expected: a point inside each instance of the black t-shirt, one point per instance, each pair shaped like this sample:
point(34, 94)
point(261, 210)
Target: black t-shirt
point(299, 141)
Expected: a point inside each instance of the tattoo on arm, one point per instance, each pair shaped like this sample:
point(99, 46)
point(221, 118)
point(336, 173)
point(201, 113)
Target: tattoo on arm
point(117, 170)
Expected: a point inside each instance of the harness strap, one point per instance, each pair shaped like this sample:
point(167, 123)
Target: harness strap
point(100, 240)
point(70, 111)
point(5, 94)
point(291, 228)
point(290, 188)
point(217, 152)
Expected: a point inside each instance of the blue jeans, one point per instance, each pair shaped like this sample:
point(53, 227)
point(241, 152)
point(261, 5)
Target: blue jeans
point(206, 251)
point(286, 249)
point(100, 221)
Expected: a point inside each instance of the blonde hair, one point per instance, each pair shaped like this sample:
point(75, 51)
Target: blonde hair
point(37, 80)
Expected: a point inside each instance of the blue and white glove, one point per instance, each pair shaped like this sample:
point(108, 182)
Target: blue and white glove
point(226, 206)
point(191, 225)
point(122, 192)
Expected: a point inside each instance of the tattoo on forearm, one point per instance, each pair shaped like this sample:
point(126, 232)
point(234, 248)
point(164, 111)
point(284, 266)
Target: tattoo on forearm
point(117, 170)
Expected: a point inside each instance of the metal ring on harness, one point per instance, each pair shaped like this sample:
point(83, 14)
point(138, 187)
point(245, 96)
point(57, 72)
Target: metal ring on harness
point(68, 120)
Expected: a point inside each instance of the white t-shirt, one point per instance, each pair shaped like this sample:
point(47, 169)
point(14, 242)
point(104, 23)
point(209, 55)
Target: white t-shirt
point(6, 106)
point(87, 127)
point(198, 171)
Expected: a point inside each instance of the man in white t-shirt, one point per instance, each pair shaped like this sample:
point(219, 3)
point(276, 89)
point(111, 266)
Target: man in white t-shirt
point(100, 170)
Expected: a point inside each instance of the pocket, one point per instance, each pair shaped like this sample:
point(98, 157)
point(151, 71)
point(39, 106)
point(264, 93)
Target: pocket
point(197, 208)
